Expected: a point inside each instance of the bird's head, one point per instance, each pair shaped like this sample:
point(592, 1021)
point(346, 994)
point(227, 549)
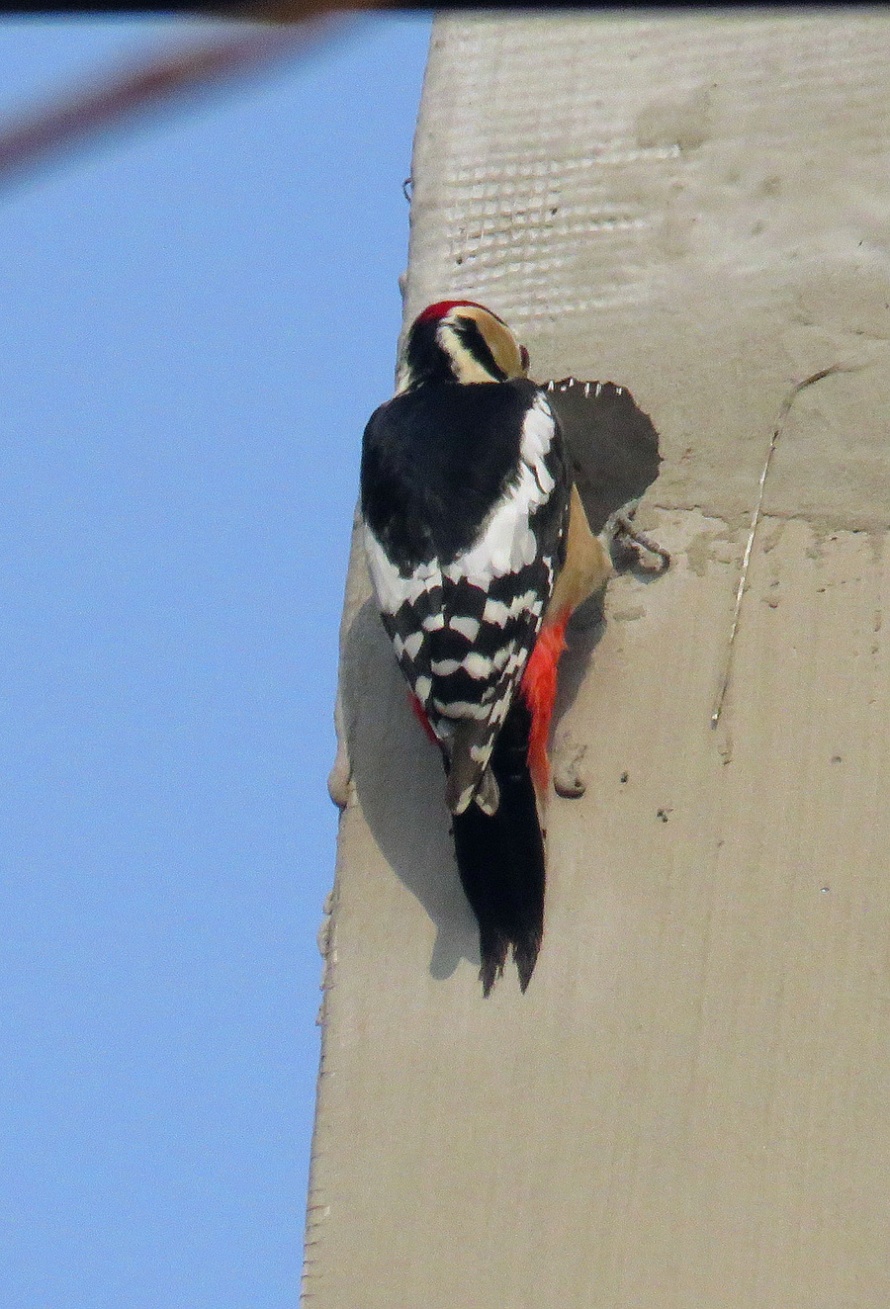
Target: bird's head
point(459, 341)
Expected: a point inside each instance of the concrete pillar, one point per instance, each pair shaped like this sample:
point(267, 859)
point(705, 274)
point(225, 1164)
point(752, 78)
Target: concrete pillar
point(691, 1104)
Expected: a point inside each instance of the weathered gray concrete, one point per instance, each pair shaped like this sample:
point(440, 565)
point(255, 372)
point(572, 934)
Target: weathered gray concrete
point(691, 1104)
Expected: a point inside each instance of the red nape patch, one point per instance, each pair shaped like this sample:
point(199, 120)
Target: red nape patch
point(443, 307)
point(419, 713)
point(539, 689)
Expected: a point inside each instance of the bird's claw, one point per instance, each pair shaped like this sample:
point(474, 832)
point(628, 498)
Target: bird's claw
point(626, 542)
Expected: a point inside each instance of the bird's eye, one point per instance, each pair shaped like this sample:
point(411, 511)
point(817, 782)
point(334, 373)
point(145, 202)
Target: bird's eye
point(524, 358)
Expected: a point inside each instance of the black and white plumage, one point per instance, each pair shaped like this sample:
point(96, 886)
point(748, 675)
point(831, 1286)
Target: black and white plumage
point(465, 499)
point(480, 548)
point(465, 493)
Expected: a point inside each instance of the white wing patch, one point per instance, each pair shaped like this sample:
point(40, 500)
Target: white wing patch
point(506, 542)
point(392, 589)
point(537, 434)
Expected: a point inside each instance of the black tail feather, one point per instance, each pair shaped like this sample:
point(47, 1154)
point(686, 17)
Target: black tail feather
point(500, 858)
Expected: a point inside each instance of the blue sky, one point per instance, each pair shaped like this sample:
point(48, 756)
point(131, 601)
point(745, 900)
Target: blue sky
point(196, 320)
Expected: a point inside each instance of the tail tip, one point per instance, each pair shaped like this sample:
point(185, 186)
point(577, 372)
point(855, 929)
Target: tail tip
point(525, 956)
point(493, 949)
point(494, 957)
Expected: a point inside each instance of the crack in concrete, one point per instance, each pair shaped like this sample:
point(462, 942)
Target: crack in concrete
point(784, 410)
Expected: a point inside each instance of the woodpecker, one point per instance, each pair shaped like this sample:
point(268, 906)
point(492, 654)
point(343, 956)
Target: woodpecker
point(479, 550)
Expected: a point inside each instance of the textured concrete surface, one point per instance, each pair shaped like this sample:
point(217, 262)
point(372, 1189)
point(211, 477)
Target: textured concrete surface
point(691, 1104)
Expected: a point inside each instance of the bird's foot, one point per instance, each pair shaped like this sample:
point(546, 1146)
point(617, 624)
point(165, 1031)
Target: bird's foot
point(627, 544)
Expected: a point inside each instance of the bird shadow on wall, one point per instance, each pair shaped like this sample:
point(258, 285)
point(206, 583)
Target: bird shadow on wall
point(396, 771)
point(614, 449)
point(400, 783)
